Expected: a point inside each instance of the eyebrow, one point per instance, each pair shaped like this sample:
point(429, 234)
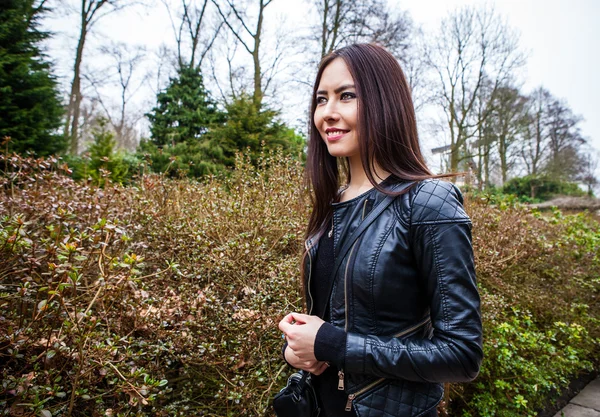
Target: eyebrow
point(339, 89)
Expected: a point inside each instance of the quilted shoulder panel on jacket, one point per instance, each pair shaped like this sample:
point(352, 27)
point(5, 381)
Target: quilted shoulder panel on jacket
point(437, 201)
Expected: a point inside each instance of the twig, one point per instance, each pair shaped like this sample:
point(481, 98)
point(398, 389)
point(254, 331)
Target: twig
point(225, 378)
point(129, 383)
point(273, 382)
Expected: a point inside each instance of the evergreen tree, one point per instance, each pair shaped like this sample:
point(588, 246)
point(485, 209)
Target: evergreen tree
point(30, 109)
point(184, 110)
point(250, 125)
point(190, 136)
point(104, 158)
point(180, 143)
point(192, 159)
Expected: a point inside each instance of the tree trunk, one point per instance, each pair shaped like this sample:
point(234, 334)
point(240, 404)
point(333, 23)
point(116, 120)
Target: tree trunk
point(454, 157)
point(502, 154)
point(325, 31)
point(72, 123)
point(486, 163)
point(258, 93)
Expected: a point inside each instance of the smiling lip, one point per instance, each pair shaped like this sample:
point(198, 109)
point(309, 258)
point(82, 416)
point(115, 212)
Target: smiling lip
point(335, 134)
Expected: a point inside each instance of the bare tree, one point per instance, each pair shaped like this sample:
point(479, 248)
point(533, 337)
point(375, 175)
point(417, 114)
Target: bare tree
point(506, 122)
point(249, 34)
point(589, 167)
point(553, 144)
point(90, 12)
point(414, 65)
point(342, 22)
point(534, 143)
point(89, 120)
point(484, 141)
point(195, 31)
point(235, 79)
point(472, 45)
point(123, 74)
point(564, 141)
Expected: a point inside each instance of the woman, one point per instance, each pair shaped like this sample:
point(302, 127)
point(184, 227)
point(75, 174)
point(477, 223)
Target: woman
point(400, 315)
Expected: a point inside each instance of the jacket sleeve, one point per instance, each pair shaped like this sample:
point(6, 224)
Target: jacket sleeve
point(440, 239)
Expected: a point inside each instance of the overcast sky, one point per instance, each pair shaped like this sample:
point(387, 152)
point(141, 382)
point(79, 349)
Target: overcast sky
point(562, 38)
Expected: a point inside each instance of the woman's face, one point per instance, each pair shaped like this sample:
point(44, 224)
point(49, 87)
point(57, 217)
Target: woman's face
point(336, 114)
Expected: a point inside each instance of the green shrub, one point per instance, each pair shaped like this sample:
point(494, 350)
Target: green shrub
point(185, 159)
point(524, 363)
point(102, 162)
point(538, 277)
point(533, 189)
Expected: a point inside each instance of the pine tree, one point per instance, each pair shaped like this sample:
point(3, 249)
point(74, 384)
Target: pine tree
point(104, 158)
point(30, 109)
point(180, 143)
point(184, 110)
point(190, 136)
point(249, 126)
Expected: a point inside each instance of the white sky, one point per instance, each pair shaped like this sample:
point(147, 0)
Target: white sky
point(561, 36)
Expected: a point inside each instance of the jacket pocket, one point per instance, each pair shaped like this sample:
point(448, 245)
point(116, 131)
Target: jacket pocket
point(398, 398)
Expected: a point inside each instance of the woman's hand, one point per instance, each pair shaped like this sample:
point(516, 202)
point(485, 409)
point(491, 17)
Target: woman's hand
point(314, 367)
point(300, 332)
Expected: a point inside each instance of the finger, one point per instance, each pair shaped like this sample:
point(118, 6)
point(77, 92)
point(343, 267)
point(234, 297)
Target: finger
point(301, 318)
point(288, 318)
point(285, 326)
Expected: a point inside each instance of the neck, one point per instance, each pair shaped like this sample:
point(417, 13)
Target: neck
point(358, 176)
point(359, 182)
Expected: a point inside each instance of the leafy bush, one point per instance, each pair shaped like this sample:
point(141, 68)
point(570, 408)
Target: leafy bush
point(532, 189)
point(538, 277)
point(133, 301)
point(162, 298)
point(102, 161)
point(524, 363)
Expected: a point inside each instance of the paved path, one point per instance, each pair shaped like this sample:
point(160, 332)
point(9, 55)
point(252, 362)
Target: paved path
point(585, 404)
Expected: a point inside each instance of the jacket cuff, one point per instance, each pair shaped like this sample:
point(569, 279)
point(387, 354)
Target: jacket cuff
point(285, 345)
point(355, 350)
point(330, 345)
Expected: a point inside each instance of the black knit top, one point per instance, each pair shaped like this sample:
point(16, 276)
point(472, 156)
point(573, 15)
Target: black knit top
point(330, 341)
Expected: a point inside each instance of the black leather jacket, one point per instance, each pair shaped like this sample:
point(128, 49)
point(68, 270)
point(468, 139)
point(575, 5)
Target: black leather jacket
point(407, 297)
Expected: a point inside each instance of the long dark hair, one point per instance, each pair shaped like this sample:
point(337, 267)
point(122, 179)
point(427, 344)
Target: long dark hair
point(387, 130)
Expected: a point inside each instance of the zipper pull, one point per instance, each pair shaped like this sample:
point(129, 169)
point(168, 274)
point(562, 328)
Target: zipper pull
point(349, 402)
point(341, 380)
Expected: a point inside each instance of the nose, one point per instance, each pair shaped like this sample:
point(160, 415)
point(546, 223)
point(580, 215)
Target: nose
point(330, 111)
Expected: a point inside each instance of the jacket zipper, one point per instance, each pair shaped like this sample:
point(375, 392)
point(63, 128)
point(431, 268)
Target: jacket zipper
point(353, 395)
point(309, 276)
point(346, 271)
point(341, 372)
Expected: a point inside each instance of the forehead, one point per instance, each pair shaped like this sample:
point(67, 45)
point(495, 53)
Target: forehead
point(334, 75)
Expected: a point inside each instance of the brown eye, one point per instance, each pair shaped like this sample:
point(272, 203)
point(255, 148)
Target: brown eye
point(347, 96)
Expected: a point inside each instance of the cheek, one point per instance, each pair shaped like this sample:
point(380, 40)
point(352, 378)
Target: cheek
point(317, 118)
point(352, 116)
point(318, 122)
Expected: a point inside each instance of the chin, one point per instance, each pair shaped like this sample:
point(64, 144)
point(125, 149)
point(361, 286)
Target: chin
point(339, 153)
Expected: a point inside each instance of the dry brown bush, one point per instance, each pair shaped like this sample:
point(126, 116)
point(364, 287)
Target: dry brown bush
point(545, 262)
point(163, 298)
point(107, 292)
